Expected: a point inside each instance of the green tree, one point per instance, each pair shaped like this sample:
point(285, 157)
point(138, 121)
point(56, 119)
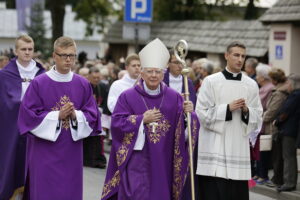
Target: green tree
point(178, 10)
point(204, 10)
point(57, 9)
point(94, 13)
point(37, 30)
point(252, 11)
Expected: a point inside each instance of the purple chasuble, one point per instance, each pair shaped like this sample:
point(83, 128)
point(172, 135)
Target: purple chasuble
point(159, 170)
point(54, 169)
point(12, 145)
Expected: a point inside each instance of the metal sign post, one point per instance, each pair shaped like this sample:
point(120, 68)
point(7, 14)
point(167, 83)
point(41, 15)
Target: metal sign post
point(135, 13)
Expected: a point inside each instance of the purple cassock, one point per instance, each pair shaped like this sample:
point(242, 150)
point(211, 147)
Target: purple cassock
point(54, 169)
point(159, 170)
point(192, 91)
point(12, 145)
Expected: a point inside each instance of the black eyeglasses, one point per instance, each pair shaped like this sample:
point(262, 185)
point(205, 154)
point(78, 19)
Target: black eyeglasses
point(176, 62)
point(65, 56)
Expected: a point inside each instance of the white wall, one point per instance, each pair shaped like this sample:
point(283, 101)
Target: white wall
point(295, 50)
point(285, 62)
point(131, 49)
point(7, 43)
point(90, 47)
point(218, 59)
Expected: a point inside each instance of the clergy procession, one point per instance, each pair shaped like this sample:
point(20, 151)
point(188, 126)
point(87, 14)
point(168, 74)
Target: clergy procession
point(160, 125)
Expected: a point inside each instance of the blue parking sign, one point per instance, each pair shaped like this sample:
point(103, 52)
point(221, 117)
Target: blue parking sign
point(138, 11)
point(278, 52)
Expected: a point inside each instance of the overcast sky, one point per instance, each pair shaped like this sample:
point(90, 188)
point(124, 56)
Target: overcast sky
point(267, 3)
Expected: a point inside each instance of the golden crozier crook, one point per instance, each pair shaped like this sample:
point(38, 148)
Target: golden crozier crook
point(180, 52)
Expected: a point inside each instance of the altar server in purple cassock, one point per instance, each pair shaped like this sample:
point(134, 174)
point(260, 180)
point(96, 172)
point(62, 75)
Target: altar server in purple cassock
point(57, 112)
point(149, 156)
point(14, 81)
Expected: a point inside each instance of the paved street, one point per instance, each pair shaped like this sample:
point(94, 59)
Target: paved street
point(93, 180)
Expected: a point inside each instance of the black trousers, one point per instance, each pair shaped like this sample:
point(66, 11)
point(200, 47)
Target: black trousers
point(263, 164)
point(214, 188)
point(93, 152)
point(285, 161)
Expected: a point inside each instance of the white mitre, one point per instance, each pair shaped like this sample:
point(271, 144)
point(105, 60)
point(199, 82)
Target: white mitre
point(154, 55)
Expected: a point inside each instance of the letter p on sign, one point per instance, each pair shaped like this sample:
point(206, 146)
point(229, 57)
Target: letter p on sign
point(138, 10)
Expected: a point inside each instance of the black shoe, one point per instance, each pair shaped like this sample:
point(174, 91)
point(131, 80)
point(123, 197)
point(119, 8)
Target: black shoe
point(101, 165)
point(285, 189)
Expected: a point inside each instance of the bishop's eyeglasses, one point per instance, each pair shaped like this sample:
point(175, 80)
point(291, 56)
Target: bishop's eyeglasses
point(65, 56)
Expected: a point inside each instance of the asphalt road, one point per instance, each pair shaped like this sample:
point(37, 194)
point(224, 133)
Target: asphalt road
point(93, 180)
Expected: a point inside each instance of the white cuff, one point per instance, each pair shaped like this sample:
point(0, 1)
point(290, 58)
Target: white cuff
point(221, 112)
point(83, 128)
point(47, 128)
point(186, 134)
point(140, 141)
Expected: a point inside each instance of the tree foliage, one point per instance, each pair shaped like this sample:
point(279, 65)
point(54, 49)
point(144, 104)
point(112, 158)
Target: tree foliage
point(37, 30)
point(57, 9)
point(204, 10)
point(251, 11)
point(94, 13)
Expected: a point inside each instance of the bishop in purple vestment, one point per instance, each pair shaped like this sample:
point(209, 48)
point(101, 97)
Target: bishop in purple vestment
point(149, 156)
point(57, 112)
point(14, 80)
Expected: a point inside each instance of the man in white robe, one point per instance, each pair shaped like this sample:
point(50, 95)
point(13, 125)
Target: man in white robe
point(229, 108)
point(133, 67)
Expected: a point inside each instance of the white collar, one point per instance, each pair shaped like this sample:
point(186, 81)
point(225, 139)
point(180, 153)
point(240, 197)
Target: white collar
point(56, 76)
point(175, 79)
point(29, 68)
point(151, 92)
point(127, 78)
point(233, 74)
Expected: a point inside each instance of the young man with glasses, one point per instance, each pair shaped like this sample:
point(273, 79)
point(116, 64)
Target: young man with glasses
point(174, 79)
point(133, 68)
point(57, 112)
point(149, 158)
point(15, 79)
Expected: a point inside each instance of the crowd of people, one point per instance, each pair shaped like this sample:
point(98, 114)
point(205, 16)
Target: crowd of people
point(49, 109)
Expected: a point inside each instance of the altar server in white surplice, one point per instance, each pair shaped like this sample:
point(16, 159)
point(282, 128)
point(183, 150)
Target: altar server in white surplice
point(133, 68)
point(229, 109)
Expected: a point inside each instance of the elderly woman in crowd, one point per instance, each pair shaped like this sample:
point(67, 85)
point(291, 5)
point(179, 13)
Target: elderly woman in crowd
point(288, 124)
point(264, 81)
point(207, 69)
point(197, 68)
point(278, 96)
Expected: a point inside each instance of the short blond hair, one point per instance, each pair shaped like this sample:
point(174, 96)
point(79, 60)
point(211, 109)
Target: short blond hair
point(64, 42)
point(130, 58)
point(24, 38)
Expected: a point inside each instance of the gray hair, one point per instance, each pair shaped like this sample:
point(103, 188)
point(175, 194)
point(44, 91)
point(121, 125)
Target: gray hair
point(252, 62)
point(263, 71)
point(294, 80)
point(94, 70)
point(209, 67)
